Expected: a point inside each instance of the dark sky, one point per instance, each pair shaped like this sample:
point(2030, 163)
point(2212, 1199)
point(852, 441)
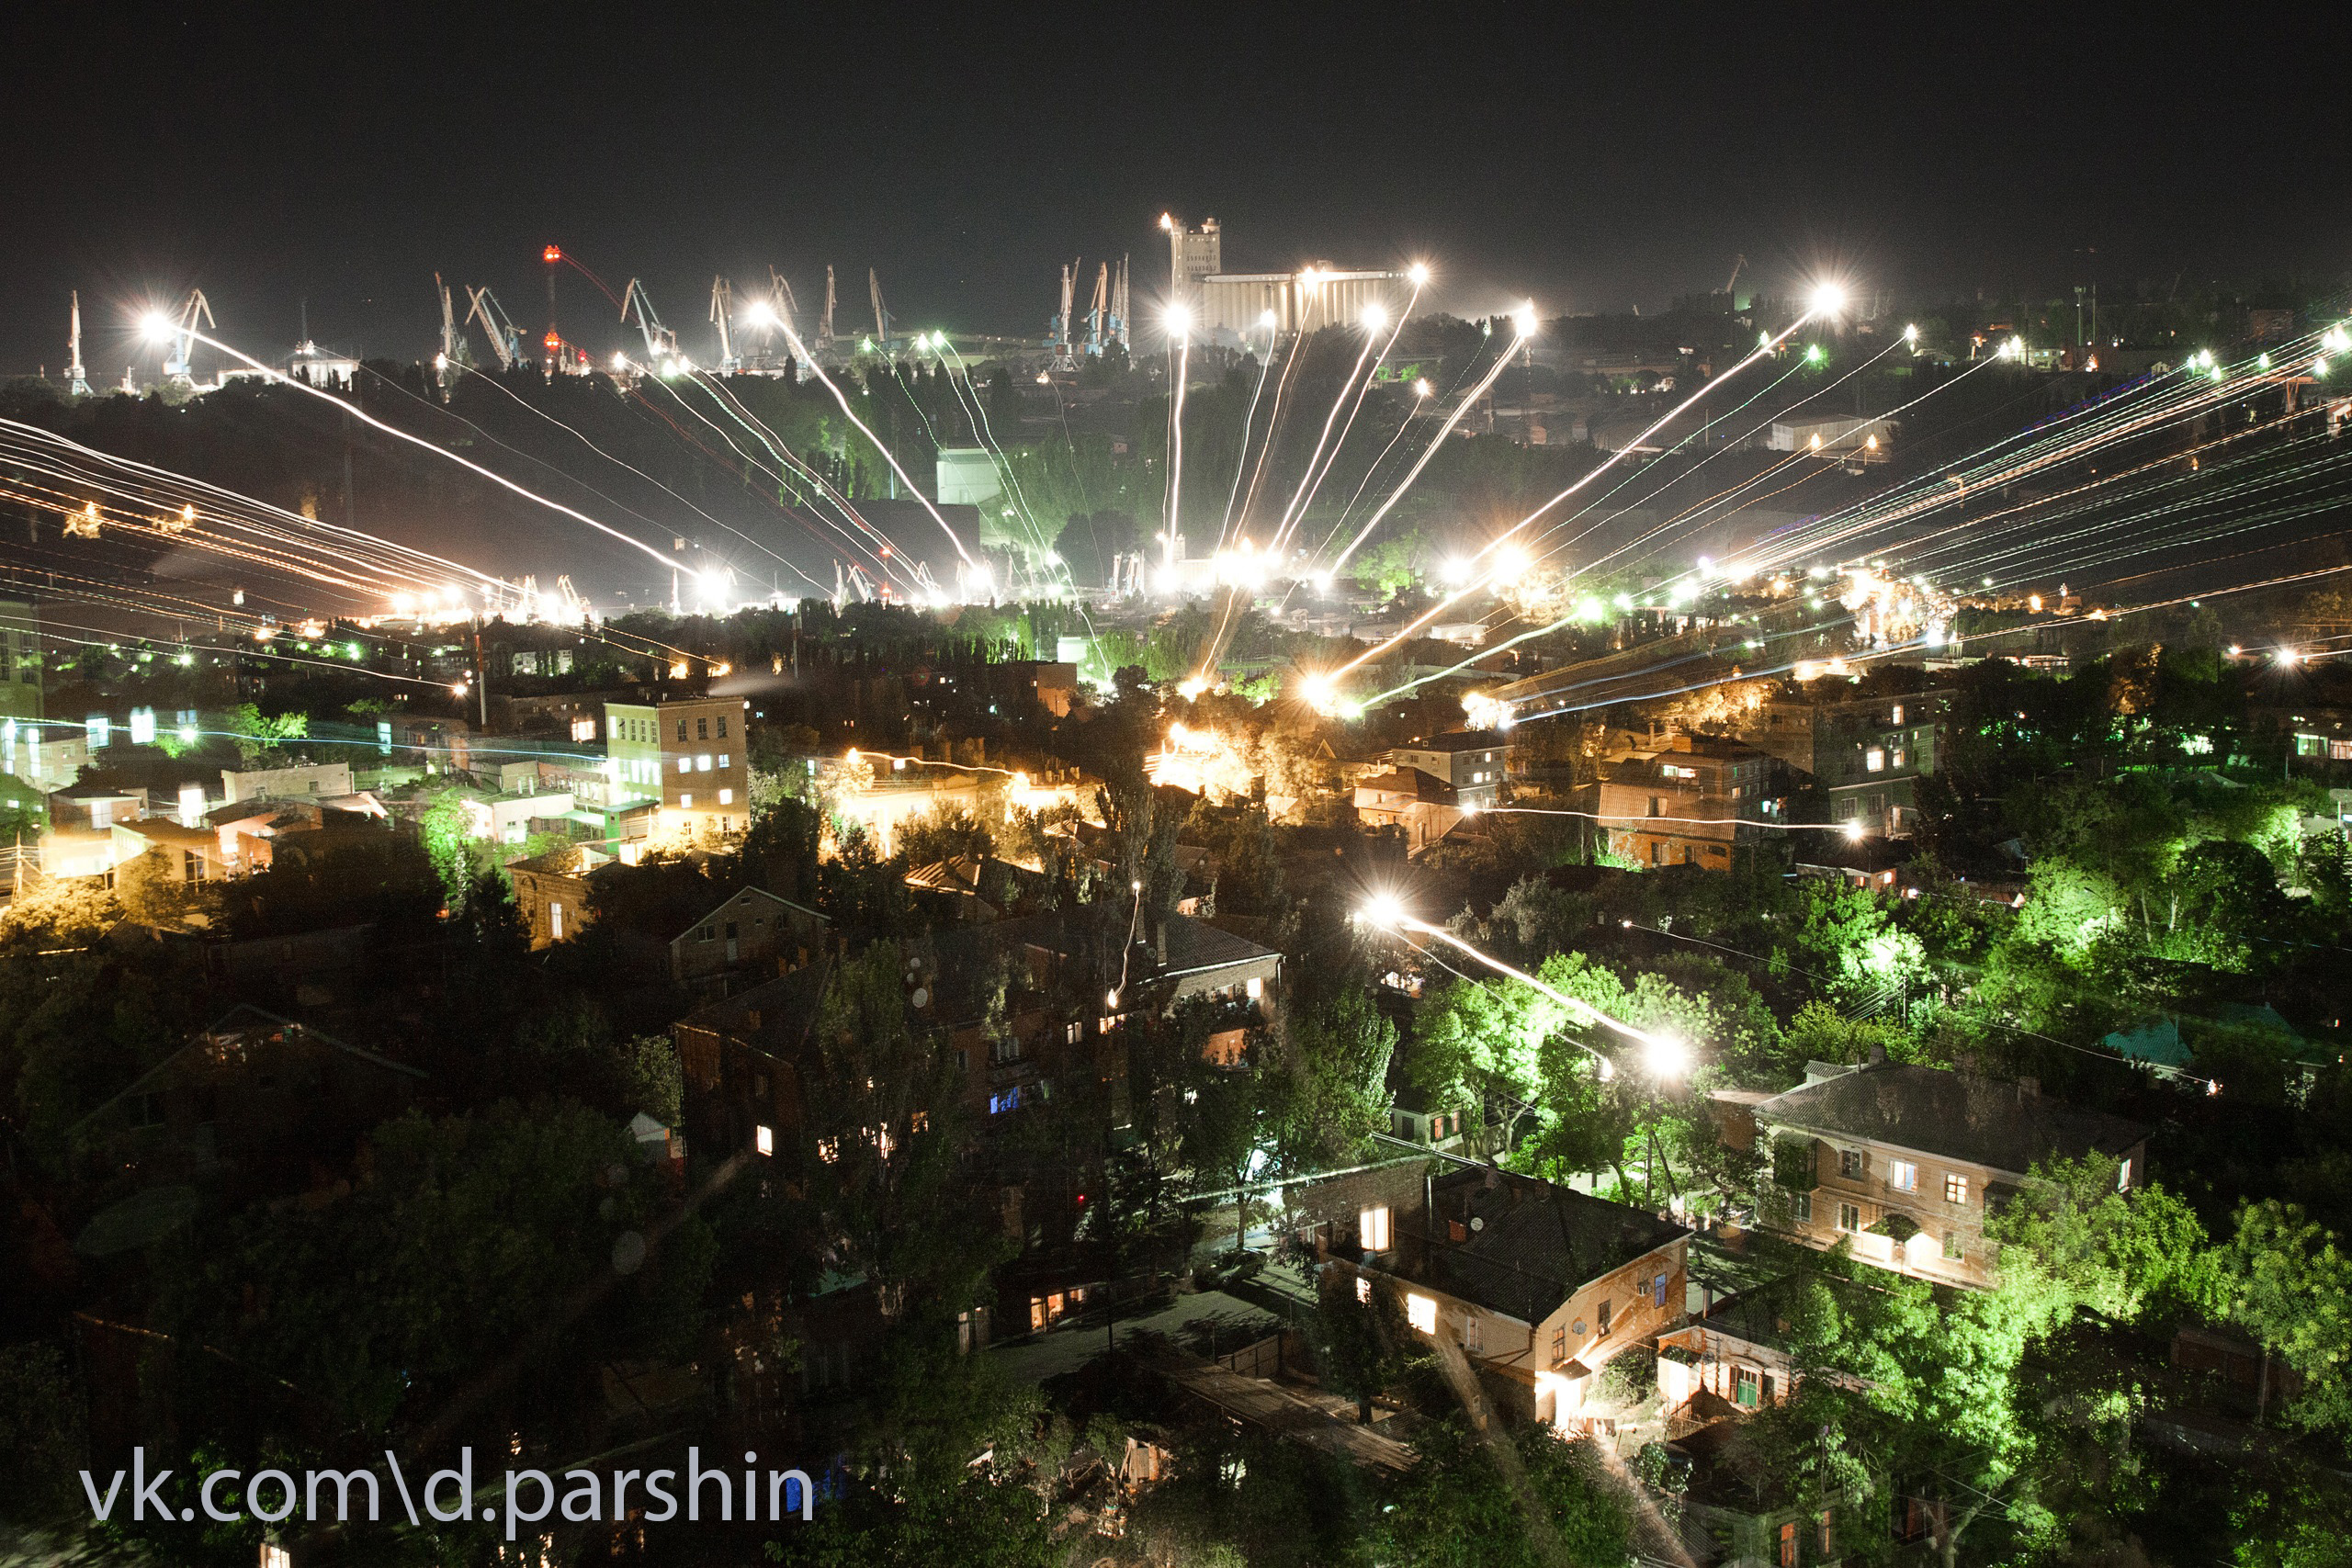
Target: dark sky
point(1593, 157)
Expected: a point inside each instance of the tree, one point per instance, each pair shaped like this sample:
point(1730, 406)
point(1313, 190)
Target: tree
point(446, 829)
point(1362, 1339)
point(2288, 1281)
point(1460, 1506)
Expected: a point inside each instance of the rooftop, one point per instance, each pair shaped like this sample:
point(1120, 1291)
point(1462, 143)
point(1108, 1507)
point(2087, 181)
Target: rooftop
point(2006, 1126)
point(1460, 740)
point(1530, 1244)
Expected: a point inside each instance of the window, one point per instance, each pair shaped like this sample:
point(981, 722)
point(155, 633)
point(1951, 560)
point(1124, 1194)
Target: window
point(1603, 1315)
point(1559, 1345)
point(1898, 756)
point(722, 762)
point(726, 797)
point(722, 723)
point(702, 729)
point(2123, 1175)
point(1850, 1218)
point(829, 1150)
point(702, 763)
point(1372, 1229)
point(685, 764)
point(1898, 715)
point(763, 1139)
point(1789, 1545)
point(1364, 1288)
point(686, 803)
point(1875, 759)
point(1256, 988)
point(1952, 1246)
point(682, 729)
point(1747, 1388)
point(1903, 1174)
point(1955, 1189)
point(555, 921)
point(1822, 1539)
point(1422, 1312)
point(1802, 1211)
point(1658, 1291)
point(1474, 1335)
point(1852, 1164)
point(275, 1556)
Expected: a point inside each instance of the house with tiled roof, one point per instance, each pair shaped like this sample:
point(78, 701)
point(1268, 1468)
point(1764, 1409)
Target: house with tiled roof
point(1540, 1286)
point(1905, 1161)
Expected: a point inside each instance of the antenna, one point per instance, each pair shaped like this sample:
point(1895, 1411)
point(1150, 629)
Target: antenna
point(77, 380)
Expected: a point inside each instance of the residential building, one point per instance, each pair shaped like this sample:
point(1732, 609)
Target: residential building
point(45, 756)
point(1832, 434)
point(1539, 1285)
point(1422, 807)
point(752, 933)
point(1739, 1511)
point(257, 1102)
point(1866, 753)
point(743, 1060)
point(689, 753)
point(1904, 1162)
point(1691, 804)
point(1472, 761)
point(551, 891)
point(322, 780)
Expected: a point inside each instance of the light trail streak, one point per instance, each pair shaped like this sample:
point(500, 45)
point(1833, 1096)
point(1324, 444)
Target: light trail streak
point(395, 432)
point(1523, 329)
point(801, 349)
point(1766, 347)
point(1249, 421)
point(1180, 320)
point(1386, 916)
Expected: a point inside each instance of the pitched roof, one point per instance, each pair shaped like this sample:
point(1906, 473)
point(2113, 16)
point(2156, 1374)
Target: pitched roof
point(1460, 740)
point(738, 895)
point(1530, 1245)
point(775, 1018)
point(1424, 787)
point(1986, 1122)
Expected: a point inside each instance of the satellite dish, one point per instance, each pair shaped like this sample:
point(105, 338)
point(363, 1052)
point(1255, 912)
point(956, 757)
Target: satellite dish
point(1478, 1224)
point(922, 998)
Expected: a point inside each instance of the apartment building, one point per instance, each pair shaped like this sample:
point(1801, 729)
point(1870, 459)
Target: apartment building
point(1691, 804)
point(1867, 754)
point(688, 754)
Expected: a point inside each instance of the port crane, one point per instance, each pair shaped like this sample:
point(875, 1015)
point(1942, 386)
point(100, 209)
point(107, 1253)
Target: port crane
point(181, 347)
point(1059, 332)
point(825, 324)
point(722, 313)
point(881, 312)
point(660, 343)
point(506, 337)
point(77, 380)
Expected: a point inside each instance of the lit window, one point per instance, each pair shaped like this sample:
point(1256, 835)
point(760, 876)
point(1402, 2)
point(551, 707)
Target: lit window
point(1372, 1228)
point(555, 921)
point(685, 764)
point(702, 763)
point(1898, 715)
point(1363, 1289)
point(763, 1139)
point(1559, 1345)
point(1955, 1189)
point(726, 797)
point(722, 760)
point(1898, 756)
point(2123, 1176)
point(1875, 759)
point(1903, 1174)
point(1256, 988)
point(829, 1149)
point(1422, 1312)
point(1789, 1545)
point(686, 803)
point(275, 1556)
point(1850, 1218)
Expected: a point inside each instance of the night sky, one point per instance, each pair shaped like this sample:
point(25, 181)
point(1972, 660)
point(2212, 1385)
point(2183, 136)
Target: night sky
point(1594, 159)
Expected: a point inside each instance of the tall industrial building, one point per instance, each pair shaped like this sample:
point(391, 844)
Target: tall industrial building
point(1232, 306)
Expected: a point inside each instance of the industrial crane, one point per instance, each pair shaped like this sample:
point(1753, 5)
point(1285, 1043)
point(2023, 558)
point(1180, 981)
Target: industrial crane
point(1118, 329)
point(181, 346)
point(881, 312)
point(1096, 311)
point(1736, 263)
point(722, 312)
point(825, 326)
point(1059, 332)
point(506, 337)
point(77, 380)
point(660, 343)
point(453, 341)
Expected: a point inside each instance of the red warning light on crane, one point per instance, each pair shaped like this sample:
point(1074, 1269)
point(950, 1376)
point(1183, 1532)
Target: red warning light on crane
point(552, 343)
point(552, 253)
